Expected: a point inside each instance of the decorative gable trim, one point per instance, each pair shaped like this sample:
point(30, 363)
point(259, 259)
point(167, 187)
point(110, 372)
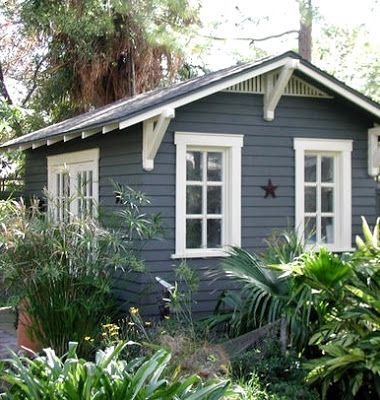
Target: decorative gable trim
point(295, 87)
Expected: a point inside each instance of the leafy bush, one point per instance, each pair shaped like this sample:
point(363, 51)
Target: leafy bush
point(350, 335)
point(108, 378)
point(280, 374)
point(63, 269)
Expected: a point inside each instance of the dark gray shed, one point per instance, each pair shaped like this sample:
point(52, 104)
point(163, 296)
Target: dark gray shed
point(203, 149)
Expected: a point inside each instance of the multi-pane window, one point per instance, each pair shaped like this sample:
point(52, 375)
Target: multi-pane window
point(73, 184)
point(208, 187)
point(323, 192)
point(62, 196)
point(85, 193)
point(320, 194)
point(204, 199)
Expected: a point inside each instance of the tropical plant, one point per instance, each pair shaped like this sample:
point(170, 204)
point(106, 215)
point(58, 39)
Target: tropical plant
point(287, 291)
point(283, 246)
point(350, 336)
point(69, 377)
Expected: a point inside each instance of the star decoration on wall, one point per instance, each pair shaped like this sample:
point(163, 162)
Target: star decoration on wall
point(269, 189)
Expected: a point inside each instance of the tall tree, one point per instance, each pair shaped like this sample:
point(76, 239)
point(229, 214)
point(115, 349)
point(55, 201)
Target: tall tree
point(305, 41)
point(94, 52)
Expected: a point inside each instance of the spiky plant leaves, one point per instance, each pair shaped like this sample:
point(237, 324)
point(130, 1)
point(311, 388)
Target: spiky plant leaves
point(108, 378)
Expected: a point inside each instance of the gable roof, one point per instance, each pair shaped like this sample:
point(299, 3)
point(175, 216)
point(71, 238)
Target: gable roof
point(124, 113)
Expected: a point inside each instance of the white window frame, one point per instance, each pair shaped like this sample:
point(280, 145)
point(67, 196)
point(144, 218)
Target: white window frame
point(230, 145)
point(341, 150)
point(72, 163)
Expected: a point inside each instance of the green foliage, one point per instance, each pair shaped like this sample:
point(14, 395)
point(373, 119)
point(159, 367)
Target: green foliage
point(296, 291)
point(50, 377)
point(283, 246)
point(349, 337)
point(349, 334)
point(267, 294)
point(180, 298)
point(93, 52)
point(337, 50)
point(280, 374)
point(63, 269)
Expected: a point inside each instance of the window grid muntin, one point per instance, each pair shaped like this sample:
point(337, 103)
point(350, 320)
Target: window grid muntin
point(204, 183)
point(318, 184)
point(62, 210)
point(85, 190)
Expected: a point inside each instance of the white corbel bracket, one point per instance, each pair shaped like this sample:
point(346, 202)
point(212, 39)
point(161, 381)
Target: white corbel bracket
point(373, 151)
point(153, 132)
point(273, 92)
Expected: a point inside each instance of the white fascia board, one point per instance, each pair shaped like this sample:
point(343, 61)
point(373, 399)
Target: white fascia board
point(340, 90)
point(217, 87)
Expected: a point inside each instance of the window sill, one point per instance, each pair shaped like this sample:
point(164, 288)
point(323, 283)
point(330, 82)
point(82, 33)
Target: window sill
point(334, 249)
point(209, 253)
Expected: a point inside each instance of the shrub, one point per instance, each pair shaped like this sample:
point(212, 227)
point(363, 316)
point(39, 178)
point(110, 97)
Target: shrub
point(108, 378)
point(280, 374)
point(62, 268)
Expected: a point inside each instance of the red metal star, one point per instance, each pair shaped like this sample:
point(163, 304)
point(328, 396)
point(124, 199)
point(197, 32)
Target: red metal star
point(269, 189)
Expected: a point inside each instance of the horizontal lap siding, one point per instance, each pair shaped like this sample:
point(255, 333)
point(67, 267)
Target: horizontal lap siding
point(267, 153)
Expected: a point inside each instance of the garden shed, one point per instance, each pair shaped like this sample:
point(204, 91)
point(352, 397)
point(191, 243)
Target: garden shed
point(225, 158)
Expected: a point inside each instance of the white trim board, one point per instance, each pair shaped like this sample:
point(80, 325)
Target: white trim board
point(230, 145)
point(341, 150)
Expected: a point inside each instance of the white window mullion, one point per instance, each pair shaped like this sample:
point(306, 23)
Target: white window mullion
point(319, 200)
point(204, 199)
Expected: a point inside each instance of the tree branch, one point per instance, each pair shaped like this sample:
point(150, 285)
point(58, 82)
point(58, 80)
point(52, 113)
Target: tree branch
point(3, 88)
point(250, 39)
point(34, 80)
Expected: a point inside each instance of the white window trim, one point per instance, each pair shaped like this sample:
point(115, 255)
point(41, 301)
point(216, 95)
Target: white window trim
point(342, 149)
point(231, 144)
point(58, 163)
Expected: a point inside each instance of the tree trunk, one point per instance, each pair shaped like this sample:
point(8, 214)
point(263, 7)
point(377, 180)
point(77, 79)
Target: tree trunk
point(305, 32)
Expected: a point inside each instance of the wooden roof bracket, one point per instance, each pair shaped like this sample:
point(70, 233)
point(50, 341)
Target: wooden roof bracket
point(274, 91)
point(153, 133)
point(373, 151)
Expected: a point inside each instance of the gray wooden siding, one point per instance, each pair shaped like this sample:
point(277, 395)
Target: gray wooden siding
point(267, 153)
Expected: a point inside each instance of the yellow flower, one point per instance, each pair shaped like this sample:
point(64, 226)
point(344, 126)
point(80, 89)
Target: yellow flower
point(148, 323)
point(87, 338)
point(166, 316)
point(134, 310)
point(131, 323)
